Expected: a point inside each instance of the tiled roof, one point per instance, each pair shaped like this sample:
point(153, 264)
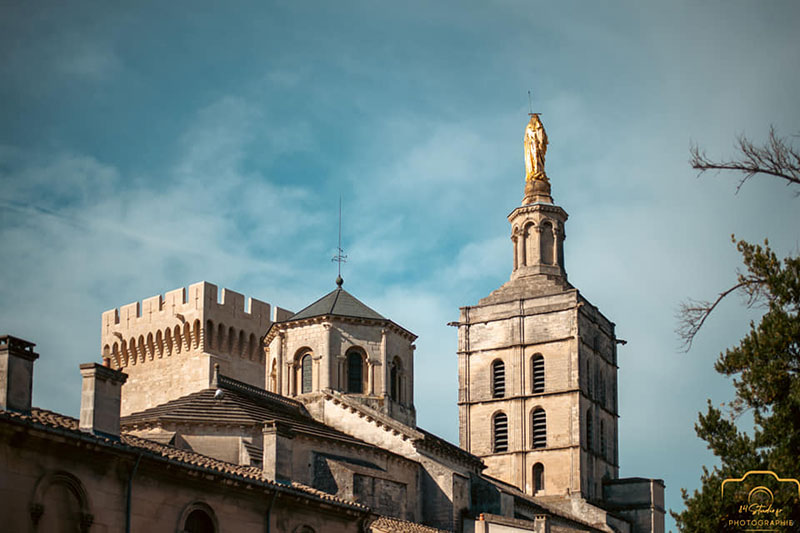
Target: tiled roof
point(437, 443)
point(419, 436)
point(65, 425)
point(384, 524)
point(338, 302)
point(238, 406)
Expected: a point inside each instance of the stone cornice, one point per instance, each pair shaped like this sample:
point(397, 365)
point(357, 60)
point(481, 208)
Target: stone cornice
point(282, 327)
point(538, 206)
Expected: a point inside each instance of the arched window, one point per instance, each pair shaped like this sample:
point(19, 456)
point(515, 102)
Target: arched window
point(500, 433)
point(393, 382)
point(61, 502)
point(546, 240)
point(538, 477)
point(198, 517)
point(498, 379)
point(273, 377)
point(305, 364)
point(589, 430)
point(355, 372)
point(395, 379)
point(539, 428)
point(196, 335)
point(198, 521)
point(602, 440)
point(537, 371)
point(209, 336)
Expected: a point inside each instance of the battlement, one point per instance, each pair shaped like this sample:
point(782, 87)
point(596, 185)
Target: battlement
point(184, 320)
point(200, 296)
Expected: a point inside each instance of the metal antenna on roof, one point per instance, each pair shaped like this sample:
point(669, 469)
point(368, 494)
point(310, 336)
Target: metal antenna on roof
point(340, 257)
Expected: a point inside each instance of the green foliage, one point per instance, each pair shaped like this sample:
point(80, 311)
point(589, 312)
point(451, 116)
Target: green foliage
point(765, 367)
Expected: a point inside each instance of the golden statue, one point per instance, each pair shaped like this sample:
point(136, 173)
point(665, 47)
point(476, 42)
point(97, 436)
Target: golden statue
point(535, 149)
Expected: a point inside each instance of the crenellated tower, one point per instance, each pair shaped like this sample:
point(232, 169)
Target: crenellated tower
point(537, 362)
point(168, 344)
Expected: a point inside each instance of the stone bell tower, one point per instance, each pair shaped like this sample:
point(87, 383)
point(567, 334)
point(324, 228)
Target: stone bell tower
point(537, 362)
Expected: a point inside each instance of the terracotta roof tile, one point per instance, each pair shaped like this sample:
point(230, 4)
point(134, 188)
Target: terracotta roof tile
point(49, 420)
point(385, 524)
point(239, 406)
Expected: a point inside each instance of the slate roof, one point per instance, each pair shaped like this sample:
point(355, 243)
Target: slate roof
point(67, 426)
point(338, 302)
point(240, 405)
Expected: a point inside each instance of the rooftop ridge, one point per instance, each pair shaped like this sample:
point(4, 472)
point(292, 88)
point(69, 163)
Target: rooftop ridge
point(58, 423)
point(387, 421)
point(226, 382)
point(338, 302)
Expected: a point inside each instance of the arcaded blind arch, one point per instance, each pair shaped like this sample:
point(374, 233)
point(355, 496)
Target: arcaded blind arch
point(538, 477)
point(537, 372)
point(305, 369)
point(355, 372)
point(498, 379)
point(273, 376)
point(546, 242)
point(539, 428)
point(500, 433)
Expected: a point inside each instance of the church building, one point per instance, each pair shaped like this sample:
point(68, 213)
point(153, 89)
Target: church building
point(213, 413)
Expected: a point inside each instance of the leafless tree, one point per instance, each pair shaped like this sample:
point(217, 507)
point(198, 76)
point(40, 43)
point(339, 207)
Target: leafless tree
point(777, 158)
point(692, 314)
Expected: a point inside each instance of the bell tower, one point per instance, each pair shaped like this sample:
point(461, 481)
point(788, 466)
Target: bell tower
point(537, 362)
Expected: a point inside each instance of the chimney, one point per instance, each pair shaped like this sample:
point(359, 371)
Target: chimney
point(100, 399)
point(16, 373)
point(277, 449)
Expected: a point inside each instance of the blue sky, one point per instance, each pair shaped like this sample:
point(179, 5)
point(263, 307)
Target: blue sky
point(147, 146)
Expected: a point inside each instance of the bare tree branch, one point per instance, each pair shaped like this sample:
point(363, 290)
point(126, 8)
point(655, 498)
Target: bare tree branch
point(692, 314)
point(776, 158)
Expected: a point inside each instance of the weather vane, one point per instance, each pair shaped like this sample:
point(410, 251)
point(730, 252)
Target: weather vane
point(339, 257)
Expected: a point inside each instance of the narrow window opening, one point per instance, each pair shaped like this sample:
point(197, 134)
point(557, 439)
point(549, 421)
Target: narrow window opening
point(539, 423)
point(538, 477)
point(500, 433)
point(498, 379)
point(355, 373)
point(589, 430)
point(538, 373)
point(198, 521)
point(306, 373)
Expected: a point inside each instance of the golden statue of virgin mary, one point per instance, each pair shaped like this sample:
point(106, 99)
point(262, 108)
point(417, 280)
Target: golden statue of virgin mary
point(535, 149)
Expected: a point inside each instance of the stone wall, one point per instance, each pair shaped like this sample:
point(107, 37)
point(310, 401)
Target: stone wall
point(65, 481)
point(168, 344)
